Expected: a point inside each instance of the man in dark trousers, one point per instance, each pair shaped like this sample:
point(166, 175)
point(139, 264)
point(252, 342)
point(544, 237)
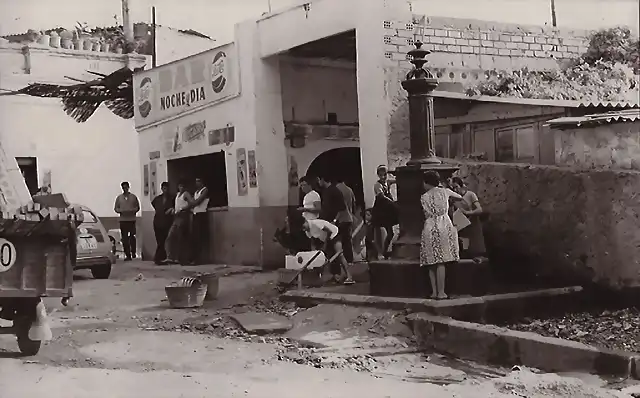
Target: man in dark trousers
point(345, 218)
point(162, 220)
point(200, 224)
point(331, 205)
point(127, 206)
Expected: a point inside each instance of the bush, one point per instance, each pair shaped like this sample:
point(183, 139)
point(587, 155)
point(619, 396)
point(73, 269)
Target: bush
point(607, 71)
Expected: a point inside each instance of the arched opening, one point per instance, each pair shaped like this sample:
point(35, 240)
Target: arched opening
point(346, 162)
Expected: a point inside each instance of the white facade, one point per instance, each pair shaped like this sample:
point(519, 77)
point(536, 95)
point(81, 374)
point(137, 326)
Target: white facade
point(86, 161)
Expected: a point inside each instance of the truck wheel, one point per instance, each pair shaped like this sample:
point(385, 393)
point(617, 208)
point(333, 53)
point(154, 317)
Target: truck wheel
point(101, 271)
point(27, 346)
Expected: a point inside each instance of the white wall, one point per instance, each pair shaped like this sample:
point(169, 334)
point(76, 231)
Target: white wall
point(312, 90)
point(171, 45)
point(88, 161)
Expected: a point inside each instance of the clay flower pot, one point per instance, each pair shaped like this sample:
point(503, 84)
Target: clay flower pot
point(54, 40)
point(87, 45)
point(105, 47)
point(43, 39)
point(66, 39)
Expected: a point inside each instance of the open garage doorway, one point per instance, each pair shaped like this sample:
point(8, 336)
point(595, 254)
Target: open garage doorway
point(344, 162)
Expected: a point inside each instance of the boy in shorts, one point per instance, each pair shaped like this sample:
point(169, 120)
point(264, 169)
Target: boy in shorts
point(327, 233)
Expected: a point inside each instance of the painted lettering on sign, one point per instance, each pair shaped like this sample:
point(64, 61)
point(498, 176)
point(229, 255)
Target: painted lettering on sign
point(183, 98)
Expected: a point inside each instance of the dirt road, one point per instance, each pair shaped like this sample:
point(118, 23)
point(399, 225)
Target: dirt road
point(118, 338)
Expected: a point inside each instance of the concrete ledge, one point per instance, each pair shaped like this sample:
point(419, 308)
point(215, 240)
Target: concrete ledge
point(503, 347)
point(493, 308)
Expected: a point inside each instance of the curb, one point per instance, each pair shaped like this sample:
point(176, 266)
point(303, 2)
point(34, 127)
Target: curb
point(472, 309)
point(499, 346)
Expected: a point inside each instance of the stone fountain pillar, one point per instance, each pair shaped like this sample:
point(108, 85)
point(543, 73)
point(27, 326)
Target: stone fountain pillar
point(402, 276)
point(419, 85)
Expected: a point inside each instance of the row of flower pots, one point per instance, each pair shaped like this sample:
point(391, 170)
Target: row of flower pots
point(69, 41)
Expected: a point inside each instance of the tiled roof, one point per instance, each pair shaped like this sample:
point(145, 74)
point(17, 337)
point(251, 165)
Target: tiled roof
point(628, 115)
point(538, 102)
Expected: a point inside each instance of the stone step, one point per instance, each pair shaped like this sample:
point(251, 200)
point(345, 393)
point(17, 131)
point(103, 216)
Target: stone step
point(406, 278)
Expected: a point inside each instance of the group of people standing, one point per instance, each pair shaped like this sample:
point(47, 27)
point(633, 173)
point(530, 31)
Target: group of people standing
point(181, 223)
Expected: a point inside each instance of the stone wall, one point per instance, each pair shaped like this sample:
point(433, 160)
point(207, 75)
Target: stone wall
point(564, 225)
point(610, 146)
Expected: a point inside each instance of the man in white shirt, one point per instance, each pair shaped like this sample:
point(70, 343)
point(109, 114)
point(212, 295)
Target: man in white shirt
point(327, 233)
point(311, 203)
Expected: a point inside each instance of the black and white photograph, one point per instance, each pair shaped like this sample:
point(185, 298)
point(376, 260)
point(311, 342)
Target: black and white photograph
point(320, 198)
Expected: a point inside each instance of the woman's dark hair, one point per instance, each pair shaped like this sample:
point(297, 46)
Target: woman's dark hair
point(458, 181)
point(164, 184)
point(432, 178)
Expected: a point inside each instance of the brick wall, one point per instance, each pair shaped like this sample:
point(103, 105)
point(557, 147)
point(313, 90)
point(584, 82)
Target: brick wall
point(481, 45)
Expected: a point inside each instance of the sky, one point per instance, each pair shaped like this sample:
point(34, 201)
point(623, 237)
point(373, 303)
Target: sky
point(216, 18)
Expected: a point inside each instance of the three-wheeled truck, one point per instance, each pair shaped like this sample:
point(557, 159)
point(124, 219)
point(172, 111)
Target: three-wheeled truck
point(37, 251)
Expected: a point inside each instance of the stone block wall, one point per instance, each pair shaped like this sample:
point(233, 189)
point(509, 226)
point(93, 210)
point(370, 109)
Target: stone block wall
point(565, 225)
point(480, 45)
point(614, 146)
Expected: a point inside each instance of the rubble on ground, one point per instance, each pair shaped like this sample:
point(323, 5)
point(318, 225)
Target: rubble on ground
point(618, 330)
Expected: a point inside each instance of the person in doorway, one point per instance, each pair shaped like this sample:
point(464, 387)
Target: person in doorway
point(470, 207)
point(345, 218)
point(384, 211)
point(127, 206)
point(439, 245)
point(311, 202)
point(331, 205)
point(200, 224)
point(328, 233)
point(163, 204)
point(176, 243)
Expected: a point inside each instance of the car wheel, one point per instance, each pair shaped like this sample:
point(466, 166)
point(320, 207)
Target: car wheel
point(101, 271)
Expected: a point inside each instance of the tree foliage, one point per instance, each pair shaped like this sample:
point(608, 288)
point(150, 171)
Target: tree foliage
point(607, 71)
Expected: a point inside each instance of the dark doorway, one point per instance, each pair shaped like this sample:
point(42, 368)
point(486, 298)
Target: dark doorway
point(344, 162)
point(210, 167)
point(29, 168)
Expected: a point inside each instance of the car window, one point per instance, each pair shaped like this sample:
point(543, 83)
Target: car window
point(89, 217)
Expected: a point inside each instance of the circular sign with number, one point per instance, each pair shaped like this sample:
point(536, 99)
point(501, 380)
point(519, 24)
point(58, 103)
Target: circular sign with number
point(7, 255)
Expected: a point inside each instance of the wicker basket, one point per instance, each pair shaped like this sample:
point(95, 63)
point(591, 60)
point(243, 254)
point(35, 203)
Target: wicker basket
point(191, 296)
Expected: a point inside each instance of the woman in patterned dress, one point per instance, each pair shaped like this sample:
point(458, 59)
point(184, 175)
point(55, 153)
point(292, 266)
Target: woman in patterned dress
point(439, 237)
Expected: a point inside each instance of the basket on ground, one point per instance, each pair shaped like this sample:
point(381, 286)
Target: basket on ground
point(188, 293)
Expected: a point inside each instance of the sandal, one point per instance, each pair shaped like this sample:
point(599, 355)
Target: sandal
point(348, 281)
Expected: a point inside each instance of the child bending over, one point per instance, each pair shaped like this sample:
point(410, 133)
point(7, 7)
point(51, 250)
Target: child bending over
point(327, 233)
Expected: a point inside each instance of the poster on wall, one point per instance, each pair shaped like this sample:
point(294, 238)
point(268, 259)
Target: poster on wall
point(145, 175)
point(172, 141)
point(253, 174)
point(153, 174)
point(241, 161)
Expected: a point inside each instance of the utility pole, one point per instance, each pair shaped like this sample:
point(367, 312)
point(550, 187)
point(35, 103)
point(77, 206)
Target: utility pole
point(154, 55)
point(554, 21)
point(127, 25)
point(269, 5)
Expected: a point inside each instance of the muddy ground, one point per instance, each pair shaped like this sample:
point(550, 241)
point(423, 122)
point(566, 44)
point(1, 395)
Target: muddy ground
point(118, 338)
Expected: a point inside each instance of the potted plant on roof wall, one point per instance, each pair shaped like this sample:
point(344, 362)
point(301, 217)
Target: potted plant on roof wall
point(54, 39)
point(66, 39)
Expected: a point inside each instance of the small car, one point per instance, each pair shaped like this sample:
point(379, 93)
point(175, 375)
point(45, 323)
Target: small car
point(94, 245)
